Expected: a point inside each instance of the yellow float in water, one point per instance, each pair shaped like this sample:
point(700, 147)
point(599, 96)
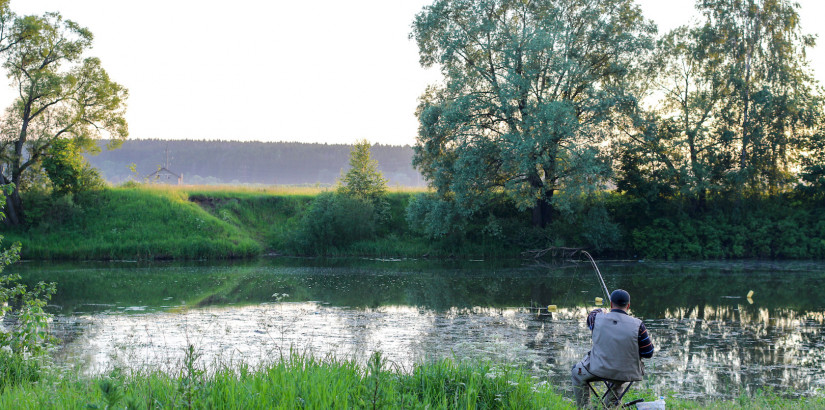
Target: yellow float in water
point(750, 294)
point(599, 301)
point(551, 308)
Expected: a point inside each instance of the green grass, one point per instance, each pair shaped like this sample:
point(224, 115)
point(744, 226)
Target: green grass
point(295, 382)
point(301, 381)
point(151, 222)
point(125, 223)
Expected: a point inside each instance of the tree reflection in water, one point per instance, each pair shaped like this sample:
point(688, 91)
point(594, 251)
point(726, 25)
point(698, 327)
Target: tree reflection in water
point(710, 340)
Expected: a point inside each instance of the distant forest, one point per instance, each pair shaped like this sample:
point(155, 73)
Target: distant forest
point(238, 162)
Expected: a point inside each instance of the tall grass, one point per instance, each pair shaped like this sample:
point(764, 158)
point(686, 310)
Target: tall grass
point(142, 222)
point(297, 381)
point(130, 224)
point(303, 381)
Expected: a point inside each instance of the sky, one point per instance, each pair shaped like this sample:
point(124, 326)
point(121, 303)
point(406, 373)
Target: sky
point(327, 71)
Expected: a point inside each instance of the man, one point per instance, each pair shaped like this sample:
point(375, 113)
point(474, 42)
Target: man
point(620, 341)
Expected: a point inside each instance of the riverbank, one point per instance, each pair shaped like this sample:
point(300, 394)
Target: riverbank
point(156, 222)
point(295, 382)
point(304, 382)
point(151, 222)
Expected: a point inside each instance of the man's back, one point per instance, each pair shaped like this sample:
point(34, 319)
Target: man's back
point(615, 352)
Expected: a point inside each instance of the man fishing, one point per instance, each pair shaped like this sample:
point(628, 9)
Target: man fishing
point(620, 341)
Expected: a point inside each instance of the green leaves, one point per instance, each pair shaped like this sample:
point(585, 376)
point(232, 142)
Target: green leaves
point(61, 95)
point(363, 180)
point(736, 108)
point(523, 83)
point(67, 170)
point(27, 332)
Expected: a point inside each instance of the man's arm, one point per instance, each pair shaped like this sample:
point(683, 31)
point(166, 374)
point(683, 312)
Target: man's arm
point(591, 318)
point(645, 343)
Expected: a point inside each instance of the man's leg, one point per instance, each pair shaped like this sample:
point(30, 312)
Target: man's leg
point(580, 376)
point(612, 398)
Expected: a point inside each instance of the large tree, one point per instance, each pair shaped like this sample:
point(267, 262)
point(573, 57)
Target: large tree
point(736, 103)
point(678, 146)
point(773, 102)
point(530, 88)
point(60, 94)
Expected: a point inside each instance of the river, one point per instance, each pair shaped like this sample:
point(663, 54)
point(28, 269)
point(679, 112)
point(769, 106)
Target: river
point(711, 340)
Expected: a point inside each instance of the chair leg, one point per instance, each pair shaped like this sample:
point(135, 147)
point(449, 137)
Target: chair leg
point(616, 399)
point(609, 399)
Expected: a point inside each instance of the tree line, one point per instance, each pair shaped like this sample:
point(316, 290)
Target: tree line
point(250, 162)
point(551, 103)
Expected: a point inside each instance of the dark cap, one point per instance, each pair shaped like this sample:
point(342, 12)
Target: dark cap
point(620, 297)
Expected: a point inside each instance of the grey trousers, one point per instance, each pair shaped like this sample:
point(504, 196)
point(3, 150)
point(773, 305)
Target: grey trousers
point(580, 376)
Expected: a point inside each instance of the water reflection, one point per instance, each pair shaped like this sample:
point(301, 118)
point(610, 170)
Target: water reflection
point(710, 340)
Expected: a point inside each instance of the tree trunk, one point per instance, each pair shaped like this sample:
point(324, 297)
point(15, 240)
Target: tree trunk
point(542, 212)
point(751, 34)
point(698, 198)
point(13, 208)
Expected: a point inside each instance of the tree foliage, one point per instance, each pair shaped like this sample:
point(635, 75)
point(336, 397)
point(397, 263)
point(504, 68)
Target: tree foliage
point(530, 89)
point(363, 179)
point(61, 95)
point(68, 170)
point(26, 332)
point(739, 107)
point(334, 221)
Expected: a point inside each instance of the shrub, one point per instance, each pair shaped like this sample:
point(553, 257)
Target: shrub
point(434, 217)
point(334, 221)
point(68, 170)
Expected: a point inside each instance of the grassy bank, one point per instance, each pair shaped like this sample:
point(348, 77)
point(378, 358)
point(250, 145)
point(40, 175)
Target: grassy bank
point(305, 382)
point(207, 222)
point(126, 223)
point(298, 382)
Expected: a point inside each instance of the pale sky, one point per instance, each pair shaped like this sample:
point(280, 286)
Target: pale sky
point(311, 71)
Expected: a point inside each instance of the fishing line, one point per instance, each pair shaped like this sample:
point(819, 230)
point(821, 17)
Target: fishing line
point(576, 274)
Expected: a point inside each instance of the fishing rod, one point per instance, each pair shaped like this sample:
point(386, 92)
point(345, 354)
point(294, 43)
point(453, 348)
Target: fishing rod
point(606, 293)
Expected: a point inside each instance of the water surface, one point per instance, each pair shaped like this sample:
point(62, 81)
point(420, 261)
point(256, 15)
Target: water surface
point(710, 339)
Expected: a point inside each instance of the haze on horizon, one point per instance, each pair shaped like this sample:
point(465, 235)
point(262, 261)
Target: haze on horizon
point(326, 71)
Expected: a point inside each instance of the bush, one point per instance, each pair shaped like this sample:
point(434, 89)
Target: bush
point(68, 170)
point(434, 217)
point(25, 334)
point(334, 221)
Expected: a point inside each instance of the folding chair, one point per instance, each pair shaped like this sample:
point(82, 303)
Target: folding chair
point(608, 399)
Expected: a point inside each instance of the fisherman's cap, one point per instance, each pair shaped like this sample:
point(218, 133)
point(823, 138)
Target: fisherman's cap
point(620, 297)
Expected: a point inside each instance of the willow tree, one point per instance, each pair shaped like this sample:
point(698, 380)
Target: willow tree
point(60, 94)
point(529, 88)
